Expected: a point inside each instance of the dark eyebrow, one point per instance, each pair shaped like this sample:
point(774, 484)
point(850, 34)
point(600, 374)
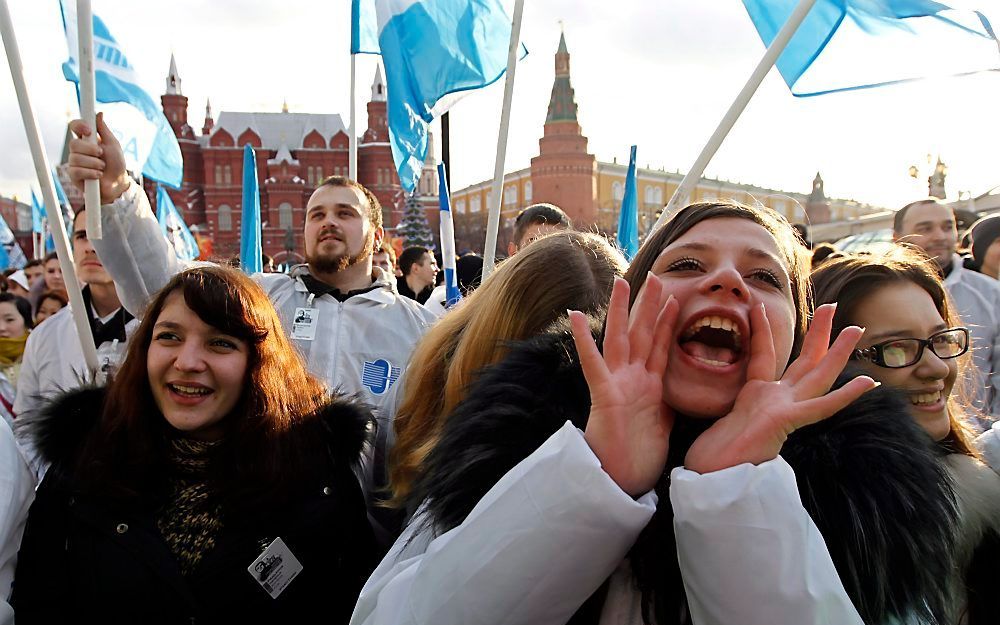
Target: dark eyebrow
point(334, 206)
point(903, 333)
point(168, 325)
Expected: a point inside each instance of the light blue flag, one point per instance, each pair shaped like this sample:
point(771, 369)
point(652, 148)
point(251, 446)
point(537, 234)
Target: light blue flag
point(251, 255)
point(11, 255)
point(175, 231)
point(451, 292)
point(132, 114)
point(857, 44)
point(37, 214)
point(628, 217)
point(431, 50)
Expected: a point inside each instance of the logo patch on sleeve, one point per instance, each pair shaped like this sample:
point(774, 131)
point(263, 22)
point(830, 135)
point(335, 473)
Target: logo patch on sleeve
point(378, 376)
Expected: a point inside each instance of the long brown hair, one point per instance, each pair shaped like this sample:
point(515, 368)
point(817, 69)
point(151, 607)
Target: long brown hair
point(525, 295)
point(795, 255)
point(128, 453)
point(848, 281)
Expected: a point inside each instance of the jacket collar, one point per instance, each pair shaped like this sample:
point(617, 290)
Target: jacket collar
point(955, 275)
point(383, 288)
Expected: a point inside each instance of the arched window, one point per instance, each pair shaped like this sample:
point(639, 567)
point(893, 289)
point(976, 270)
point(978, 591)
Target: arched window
point(225, 218)
point(510, 195)
point(617, 191)
point(527, 192)
point(319, 174)
point(284, 215)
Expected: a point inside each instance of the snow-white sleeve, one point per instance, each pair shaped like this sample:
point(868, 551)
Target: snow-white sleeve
point(749, 552)
point(540, 542)
point(988, 444)
point(17, 490)
point(134, 251)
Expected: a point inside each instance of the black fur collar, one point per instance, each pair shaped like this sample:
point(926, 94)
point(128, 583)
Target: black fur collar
point(869, 477)
point(58, 430)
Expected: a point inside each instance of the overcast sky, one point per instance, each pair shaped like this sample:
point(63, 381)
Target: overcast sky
point(658, 74)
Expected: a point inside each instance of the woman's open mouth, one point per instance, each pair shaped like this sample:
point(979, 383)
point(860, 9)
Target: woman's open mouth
point(712, 340)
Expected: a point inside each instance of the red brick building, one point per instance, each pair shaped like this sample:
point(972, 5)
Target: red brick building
point(294, 152)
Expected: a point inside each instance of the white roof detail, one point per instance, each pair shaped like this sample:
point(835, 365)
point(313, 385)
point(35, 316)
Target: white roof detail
point(283, 155)
point(276, 129)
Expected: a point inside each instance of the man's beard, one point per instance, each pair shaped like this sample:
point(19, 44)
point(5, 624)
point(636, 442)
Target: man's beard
point(335, 263)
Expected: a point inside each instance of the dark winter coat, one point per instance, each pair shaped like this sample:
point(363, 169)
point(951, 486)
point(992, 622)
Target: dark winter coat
point(870, 478)
point(88, 558)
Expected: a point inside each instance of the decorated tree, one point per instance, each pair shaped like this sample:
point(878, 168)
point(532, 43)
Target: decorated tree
point(413, 228)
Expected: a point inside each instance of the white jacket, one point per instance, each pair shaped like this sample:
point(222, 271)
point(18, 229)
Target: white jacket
point(17, 490)
point(361, 345)
point(539, 543)
point(977, 300)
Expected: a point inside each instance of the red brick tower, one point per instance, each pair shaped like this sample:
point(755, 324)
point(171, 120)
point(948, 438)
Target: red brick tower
point(189, 199)
point(376, 169)
point(564, 173)
point(818, 206)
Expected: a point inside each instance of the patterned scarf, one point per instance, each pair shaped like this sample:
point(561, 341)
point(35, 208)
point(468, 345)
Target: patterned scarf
point(191, 519)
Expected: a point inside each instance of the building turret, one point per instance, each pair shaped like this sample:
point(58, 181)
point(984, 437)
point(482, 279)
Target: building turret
point(174, 102)
point(206, 129)
point(818, 206)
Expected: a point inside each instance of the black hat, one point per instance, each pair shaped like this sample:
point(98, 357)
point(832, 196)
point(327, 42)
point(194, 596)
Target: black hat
point(984, 232)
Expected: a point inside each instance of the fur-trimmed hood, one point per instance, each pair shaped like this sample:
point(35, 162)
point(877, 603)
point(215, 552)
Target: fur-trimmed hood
point(870, 478)
point(344, 427)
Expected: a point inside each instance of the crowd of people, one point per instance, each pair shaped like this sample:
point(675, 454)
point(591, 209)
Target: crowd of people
point(729, 429)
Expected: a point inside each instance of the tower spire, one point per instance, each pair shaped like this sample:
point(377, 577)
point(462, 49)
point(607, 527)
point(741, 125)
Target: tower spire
point(209, 122)
point(562, 104)
point(173, 78)
point(378, 85)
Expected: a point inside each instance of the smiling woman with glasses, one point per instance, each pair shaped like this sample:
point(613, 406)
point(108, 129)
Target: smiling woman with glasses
point(915, 343)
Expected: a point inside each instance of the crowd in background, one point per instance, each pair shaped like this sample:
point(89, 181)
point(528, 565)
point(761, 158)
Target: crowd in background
point(730, 428)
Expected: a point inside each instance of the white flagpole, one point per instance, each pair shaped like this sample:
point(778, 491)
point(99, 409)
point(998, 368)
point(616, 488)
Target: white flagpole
point(42, 170)
point(91, 188)
point(352, 151)
point(690, 181)
point(493, 224)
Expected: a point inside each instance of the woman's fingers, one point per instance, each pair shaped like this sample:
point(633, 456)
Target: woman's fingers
point(591, 361)
point(823, 374)
point(642, 319)
point(815, 410)
point(616, 327)
point(762, 365)
point(663, 337)
point(815, 344)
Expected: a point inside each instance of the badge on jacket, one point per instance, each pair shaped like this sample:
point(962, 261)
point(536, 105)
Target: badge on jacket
point(275, 569)
point(379, 375)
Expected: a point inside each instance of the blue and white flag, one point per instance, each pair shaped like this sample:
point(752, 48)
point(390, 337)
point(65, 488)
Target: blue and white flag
point(628, 216)
point(11, 255)
point(175, 231)
point(451, 292)
point(133, 115)
point(37, 214)
point(856, 44)
point(67, 212)
point(251, 254)
point(431, 51)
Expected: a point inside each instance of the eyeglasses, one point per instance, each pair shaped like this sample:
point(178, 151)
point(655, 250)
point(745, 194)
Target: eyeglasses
point(897, 353)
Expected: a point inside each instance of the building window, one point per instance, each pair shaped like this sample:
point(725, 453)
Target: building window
point(319, 174)
point(460, 206)
point(284, 215)
point(527, 192)
point(23, 218)
point(311, 175)
point(218, 174)
point(225, 218)
point(617, 191)
point(658, 195)
point(228, 172)
point(474, 205)
point(647, 195)
point(510, 195)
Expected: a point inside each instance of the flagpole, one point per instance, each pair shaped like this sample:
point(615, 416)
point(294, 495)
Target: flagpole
point(352, 151)
point(690, 181)
point(42, 170)
point(85, 33)
point(493, 223)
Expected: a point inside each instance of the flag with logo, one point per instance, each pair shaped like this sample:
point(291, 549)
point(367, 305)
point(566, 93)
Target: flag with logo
point(856, 44)
point(628, 217)
point(251, 254)
point(134, 116)
point(175, 231)
point(432, 50)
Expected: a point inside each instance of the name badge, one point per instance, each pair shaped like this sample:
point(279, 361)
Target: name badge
point(304, 324)
point(275, 569)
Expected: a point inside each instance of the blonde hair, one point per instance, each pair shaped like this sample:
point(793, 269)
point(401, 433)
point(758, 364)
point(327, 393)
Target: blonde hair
point(522, 298)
